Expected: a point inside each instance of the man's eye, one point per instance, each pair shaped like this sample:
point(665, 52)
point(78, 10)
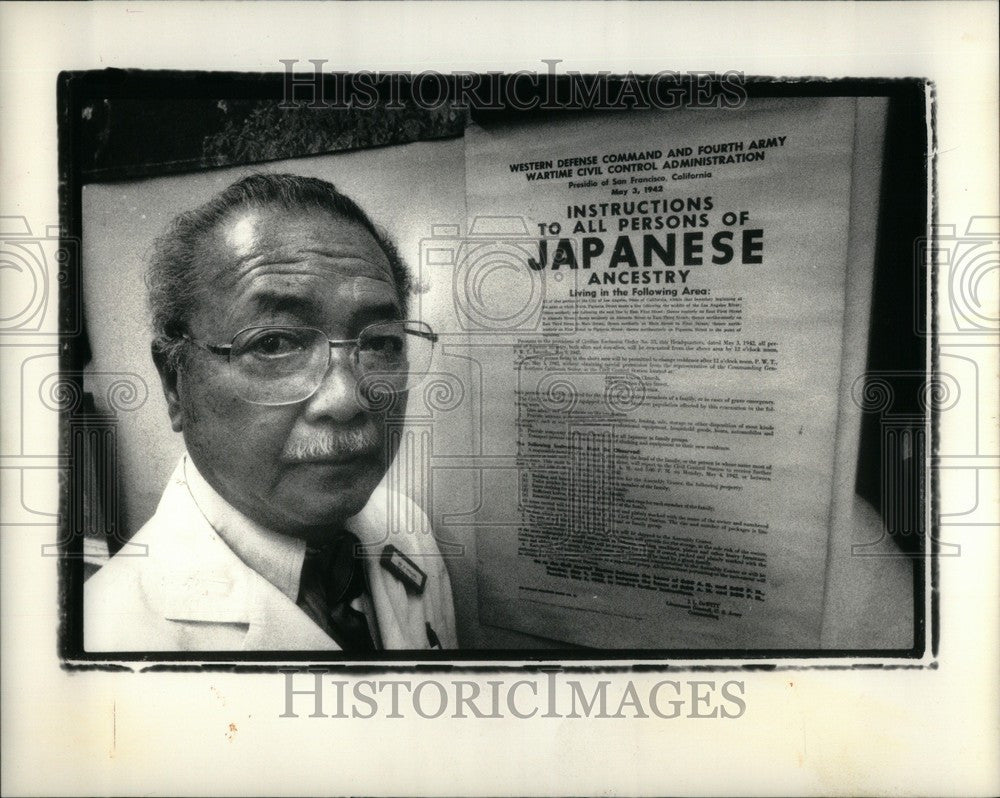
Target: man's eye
point(274, 344)
point(384, 344)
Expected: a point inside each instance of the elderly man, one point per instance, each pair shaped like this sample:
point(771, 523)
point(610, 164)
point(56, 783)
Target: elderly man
point(284, 352)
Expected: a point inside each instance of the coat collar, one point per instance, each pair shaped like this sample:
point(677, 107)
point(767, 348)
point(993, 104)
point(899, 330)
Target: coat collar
point(203, 580)
point(276, 557)
point(401, 616)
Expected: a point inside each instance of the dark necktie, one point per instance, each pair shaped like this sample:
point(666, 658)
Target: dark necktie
point(332, 578)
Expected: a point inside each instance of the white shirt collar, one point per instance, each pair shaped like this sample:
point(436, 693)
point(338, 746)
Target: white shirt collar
point(276, 557)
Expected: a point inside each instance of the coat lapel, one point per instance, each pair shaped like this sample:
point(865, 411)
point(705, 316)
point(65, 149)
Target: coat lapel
point(401, 616)
point(202, 580)
point(278, 624)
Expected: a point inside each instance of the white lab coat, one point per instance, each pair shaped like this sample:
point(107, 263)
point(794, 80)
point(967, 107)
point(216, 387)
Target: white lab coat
point(177, 586)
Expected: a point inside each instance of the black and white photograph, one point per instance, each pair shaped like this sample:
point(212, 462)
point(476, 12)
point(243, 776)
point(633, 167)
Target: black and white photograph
point(424, 376)
point(564, 410)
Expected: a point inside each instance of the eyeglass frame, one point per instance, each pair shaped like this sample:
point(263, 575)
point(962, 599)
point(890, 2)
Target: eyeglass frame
point(334, 343)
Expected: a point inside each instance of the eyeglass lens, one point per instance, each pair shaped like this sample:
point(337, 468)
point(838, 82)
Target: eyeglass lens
point(282, 365)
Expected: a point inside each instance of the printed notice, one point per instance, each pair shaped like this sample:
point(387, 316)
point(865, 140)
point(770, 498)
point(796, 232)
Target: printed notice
point(666, 380)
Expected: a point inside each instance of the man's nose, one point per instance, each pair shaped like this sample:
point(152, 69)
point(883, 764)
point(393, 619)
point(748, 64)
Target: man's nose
point(336, 397)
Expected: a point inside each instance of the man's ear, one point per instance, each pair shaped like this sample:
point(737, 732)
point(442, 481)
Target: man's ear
point(169, 381)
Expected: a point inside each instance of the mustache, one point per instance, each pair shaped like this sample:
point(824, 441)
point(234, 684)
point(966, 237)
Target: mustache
point(332, 444)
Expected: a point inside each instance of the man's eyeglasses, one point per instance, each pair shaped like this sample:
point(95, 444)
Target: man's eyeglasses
point(284, 365)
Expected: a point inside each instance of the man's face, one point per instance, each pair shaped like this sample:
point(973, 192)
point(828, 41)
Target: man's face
point(300, 468)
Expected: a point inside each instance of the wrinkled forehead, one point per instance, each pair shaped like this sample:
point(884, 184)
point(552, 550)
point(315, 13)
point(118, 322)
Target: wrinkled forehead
point(263, 256)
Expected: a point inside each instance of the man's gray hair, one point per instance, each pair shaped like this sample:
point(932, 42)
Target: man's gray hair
point(172, 279)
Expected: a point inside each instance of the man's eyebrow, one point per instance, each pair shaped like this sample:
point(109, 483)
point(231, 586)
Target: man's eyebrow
point(276, 302)
point(384, 310)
